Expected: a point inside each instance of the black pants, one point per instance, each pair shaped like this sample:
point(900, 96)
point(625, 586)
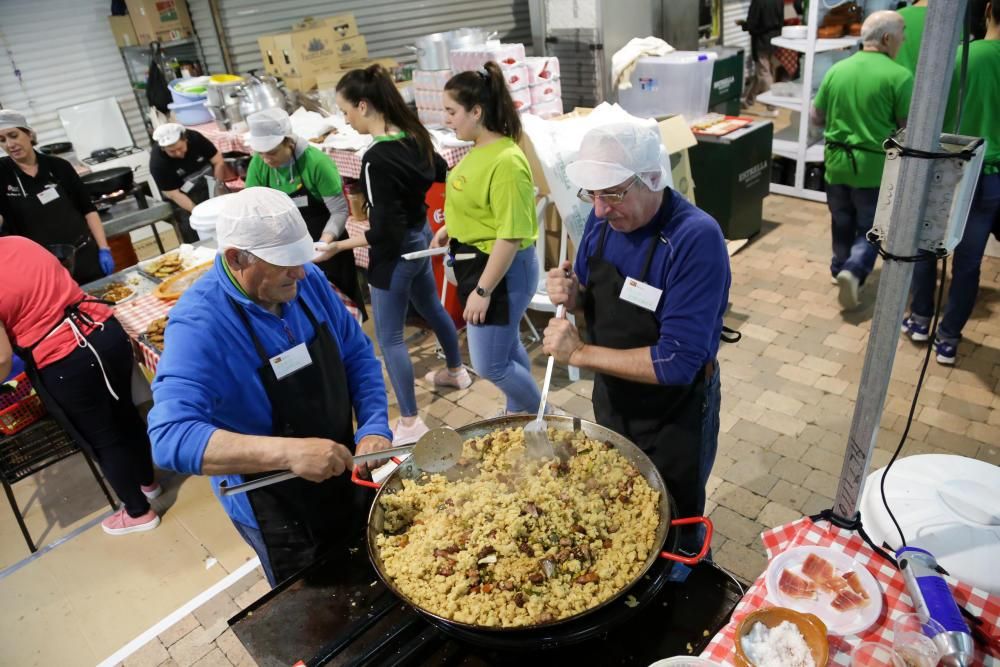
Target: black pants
point(183, 219)
point(114, 432)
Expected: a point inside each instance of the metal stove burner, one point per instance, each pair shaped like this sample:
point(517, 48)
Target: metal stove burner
point(105, 154)
point(106, 203)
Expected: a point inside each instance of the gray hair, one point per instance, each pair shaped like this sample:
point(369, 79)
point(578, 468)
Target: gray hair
point(880, 24)
point(243, 257)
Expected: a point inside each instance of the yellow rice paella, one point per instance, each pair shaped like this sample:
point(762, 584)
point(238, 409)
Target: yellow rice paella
point(520, 542)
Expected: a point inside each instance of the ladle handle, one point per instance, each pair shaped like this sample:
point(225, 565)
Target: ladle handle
point(560, 313)
point(255, 483)
point(383, 454)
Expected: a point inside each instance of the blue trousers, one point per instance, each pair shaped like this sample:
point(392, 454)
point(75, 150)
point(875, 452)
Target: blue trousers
point(412, 282)
point(852, 212)
point(965, 265)
point(255, 539)
point(497, 352)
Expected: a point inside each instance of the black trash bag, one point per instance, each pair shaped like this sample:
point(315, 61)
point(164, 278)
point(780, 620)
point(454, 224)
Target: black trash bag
point(157, 91)
point(118, 8)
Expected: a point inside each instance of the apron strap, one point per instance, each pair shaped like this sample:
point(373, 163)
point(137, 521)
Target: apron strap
point(649, 254)
point(246, 321)
point(600, 242)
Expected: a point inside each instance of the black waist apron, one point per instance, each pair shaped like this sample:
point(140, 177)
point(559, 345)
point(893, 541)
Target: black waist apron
point(55, 221)
point(196, 188)
point(301, 520)
point(664, 421)
point(849, 149)
point(339, 269)
point(467, 275)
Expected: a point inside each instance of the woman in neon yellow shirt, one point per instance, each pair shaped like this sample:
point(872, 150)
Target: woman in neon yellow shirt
point(490, 214)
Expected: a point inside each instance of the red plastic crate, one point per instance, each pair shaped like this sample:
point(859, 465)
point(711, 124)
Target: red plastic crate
point(20, 409)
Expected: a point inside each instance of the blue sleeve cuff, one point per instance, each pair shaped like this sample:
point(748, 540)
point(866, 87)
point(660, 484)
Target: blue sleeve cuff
point(373, 429)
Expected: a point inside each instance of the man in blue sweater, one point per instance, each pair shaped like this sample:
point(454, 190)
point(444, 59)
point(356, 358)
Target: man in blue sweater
point(263, 369)
point(652, 275)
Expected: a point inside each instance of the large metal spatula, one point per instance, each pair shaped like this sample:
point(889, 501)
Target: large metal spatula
point(536, 436)
point(436, 451)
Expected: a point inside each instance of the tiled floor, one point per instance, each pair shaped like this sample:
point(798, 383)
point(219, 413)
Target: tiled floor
point(788, 396)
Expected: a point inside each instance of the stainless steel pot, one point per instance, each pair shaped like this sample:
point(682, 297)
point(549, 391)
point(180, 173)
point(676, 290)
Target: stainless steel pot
point(219, 94)
point(624, 446)
point(433, 50)
point(258, 93)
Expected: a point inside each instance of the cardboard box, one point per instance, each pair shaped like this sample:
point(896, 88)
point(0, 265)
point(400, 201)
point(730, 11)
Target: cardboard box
point(342, 25)
point(351, 50)
point(269, 56)
point(302, 84)
point(329, 78)
point(159, 20)
point(121, 28)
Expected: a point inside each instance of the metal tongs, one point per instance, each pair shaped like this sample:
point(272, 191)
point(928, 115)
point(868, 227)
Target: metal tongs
point(436, 451)
point(536, 438)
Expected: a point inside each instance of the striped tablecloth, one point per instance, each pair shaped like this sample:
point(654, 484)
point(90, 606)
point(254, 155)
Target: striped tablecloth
point(897, 601)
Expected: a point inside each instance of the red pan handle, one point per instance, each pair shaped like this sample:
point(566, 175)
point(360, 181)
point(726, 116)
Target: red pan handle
point(361, 481)
point(693, 560)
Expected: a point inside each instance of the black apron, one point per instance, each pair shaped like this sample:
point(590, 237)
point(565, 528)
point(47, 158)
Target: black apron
point(664, 421)
point(301, 520)
point(55, 222)
point(467, 275)
point(339, 269)
point(197, 192)
point(850, 149)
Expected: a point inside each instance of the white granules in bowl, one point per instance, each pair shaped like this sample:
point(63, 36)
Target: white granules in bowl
point(780, 646)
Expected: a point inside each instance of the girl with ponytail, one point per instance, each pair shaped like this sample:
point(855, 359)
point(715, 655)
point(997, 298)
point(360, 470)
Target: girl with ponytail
point(490, 215)
point(396, 172)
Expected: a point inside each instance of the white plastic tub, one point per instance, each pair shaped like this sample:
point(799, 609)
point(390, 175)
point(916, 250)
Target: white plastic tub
point(677, 83)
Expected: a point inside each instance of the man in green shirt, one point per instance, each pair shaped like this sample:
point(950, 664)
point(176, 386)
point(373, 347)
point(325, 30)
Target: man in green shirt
point(980, 102)
point(913, 18)
point(861, 102)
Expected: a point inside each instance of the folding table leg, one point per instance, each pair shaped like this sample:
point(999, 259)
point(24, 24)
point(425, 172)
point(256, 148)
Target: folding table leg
point(100, 480)
point(17, 514)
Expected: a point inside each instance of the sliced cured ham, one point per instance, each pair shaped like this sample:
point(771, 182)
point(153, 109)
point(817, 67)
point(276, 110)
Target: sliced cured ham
point(834, 584)
point(854, 581)
point(795, 586)
point(847, 600)
point(817, 568)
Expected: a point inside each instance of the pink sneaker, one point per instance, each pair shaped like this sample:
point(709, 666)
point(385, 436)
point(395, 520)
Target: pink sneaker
point(445, 378)
point(405, 435)
point(120, 523)
point(153, 491)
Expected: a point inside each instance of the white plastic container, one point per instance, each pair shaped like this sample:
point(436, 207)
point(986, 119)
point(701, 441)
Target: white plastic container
point(677, 83)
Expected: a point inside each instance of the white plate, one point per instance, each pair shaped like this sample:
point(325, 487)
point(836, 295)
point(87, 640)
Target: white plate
point(837, 622)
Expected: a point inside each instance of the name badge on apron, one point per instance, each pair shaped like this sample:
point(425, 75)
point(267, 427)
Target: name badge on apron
point(301, 201)
point(48, 194)
point(641, 294)
point(187, 187)
point(288, 362)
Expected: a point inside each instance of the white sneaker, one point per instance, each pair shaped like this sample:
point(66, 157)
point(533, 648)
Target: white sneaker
point(120, 523)
point(445, 378)
point(405, 435)
point(849, 284)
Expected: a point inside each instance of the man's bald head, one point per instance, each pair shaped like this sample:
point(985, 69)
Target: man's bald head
point(883, 31)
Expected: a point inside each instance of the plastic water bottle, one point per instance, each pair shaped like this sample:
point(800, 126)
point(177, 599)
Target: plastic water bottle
point(933, 600)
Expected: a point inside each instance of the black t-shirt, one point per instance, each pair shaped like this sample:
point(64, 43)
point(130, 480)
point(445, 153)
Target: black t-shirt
point(15, 185)
point(170, 173)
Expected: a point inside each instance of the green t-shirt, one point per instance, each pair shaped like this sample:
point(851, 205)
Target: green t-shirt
point(313, 168)
point(863, 97)
point(490, 196)
point(982, 99)
point(913, 34)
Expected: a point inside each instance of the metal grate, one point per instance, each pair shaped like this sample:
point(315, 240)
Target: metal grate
point(34, 449)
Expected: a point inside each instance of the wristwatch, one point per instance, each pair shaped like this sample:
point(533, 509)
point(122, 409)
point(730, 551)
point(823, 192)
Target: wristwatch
point(483, 292)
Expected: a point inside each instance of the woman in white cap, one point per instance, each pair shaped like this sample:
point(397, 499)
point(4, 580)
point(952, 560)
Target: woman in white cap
point(43, 198)
point(179, 163)
point(490, 214)
point(287, 163)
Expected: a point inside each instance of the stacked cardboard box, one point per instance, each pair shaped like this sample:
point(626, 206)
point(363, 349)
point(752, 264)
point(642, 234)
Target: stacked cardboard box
point(151, 21)
point(313, 48)
point(533, 82)
point(544, 86)
point(428, 94)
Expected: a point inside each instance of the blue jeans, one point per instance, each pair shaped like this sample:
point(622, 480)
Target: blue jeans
point(412, 282)
point(852, 212)
point(965, 265)
point(255, 539)
point(497, 352)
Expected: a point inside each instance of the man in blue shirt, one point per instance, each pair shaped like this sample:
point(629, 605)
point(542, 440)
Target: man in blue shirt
point(264, 369)
point(652, 274)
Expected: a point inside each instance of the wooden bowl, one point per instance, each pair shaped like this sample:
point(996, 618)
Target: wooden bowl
point(812, 629)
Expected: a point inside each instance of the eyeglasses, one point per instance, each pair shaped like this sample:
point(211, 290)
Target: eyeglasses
point(607, 198)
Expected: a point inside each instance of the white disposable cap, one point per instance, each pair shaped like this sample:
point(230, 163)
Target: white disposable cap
point(265, 223)
point(10, 118)
point(168, 134)
point(268, 128)
point(612, 154)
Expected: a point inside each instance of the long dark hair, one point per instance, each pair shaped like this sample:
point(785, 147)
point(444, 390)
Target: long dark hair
point(488, 89)
point(375, 86)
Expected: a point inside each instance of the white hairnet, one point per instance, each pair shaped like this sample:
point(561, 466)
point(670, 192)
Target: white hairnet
point(268, 128)
point(614, 153)
point(10, 118)
point(266, 223)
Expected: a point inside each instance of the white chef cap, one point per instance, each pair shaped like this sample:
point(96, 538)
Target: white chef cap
point(265, 223)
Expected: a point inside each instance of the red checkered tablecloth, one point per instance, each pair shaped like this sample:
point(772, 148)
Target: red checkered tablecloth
point(789, 60)
point(225, 140)
point(349, 162)
point(897, 600)
point(358, 228)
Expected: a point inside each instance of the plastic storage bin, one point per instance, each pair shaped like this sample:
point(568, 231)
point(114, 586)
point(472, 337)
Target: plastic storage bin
point(191, 113)
point(677, 83)
point(20, 408)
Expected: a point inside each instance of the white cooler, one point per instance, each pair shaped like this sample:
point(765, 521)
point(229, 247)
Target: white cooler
point(677, 83)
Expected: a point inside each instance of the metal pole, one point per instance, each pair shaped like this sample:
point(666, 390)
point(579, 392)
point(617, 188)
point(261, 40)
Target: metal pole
point(907, 201)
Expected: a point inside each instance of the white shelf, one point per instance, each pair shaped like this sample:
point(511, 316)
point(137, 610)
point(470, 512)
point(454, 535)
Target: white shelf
point(783, 102)
point(790, 150)
point(801, 193)
point(802, 45)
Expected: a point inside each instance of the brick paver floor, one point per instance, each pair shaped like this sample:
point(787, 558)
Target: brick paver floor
point(788, 394)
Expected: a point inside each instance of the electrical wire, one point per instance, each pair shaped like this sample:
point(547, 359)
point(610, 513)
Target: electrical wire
point(916, 395)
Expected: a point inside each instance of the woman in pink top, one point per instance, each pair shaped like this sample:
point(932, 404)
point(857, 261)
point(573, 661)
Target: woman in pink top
point(80, 361)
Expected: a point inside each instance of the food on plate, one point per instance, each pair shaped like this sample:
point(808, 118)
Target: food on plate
point(817, 568)
point(795, 586)
point(780, 646)
point(115, 292)
point(175, 285)
point(165, 266)
point(154, 332)
point(846, 600)
point(854, 581)
point(517, 542)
